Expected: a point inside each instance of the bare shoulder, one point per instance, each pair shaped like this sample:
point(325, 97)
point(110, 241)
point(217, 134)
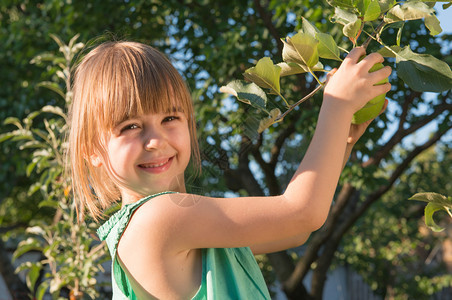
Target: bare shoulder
point(147, 251)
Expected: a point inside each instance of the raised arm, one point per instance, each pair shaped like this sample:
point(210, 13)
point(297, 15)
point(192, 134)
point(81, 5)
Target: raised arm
point(202, 222)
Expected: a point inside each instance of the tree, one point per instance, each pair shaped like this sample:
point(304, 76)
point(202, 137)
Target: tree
point(214, 42)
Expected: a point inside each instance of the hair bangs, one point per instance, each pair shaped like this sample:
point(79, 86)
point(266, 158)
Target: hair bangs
point(115, 82)
point(138, 85)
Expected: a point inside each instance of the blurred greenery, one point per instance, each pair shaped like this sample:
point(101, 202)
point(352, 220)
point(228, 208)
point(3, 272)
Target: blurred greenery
point(372, 227)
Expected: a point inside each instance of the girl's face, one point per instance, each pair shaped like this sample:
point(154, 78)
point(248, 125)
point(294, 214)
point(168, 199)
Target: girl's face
point(149, 153)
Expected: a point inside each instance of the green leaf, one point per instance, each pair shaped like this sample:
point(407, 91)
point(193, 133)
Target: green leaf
point(293, 68)
point(249, 93)
point(433, 198)
point(308, 28)
point(6, 136)
point(31, 166)
point(54, 110)
point(411, 10)
point(32, 276)
point(265, 74)
point(430, 209)
point(436, 202)
point(327, 47)
point(53, 86)
point(34, 188)
point(386, 5)
point(301, 49)
point(385, 52)
point(343, 17)
point(423, 72)
point(48, 203)
point(372, 11)
point(447, 5)
point(40, 291)
point(26, 246)
point(351, 29)
point(12, 121)
point(432, 23)
point(341, 3)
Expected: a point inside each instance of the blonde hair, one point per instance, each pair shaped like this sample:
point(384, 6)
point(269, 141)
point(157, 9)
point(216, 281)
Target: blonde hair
point(113, 82)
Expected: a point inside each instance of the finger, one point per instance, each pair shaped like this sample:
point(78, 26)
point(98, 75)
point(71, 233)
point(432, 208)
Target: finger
point(381, 89)
point(372, 59)
point(355, 54)
point(330, 74)
point(385, 105)
point(381, 74)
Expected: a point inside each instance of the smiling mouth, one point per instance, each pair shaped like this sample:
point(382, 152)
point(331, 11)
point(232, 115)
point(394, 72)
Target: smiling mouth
point(156, 166)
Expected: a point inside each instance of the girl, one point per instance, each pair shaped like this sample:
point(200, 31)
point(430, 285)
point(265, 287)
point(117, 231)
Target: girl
point(133, 135)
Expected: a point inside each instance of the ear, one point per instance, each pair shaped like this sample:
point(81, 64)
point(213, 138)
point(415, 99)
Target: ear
point(95, 160)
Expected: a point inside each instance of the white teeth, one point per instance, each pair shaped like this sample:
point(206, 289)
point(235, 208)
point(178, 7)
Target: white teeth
point(154, 166)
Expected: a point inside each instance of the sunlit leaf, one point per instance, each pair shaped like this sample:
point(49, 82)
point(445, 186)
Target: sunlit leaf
point(291, 68)
point(433, 25)
point(343, 17)
point(388, 53)
point(411, 10)
point(341, 3)
point(32, 276)
point(309, 28)
point(372, 11)
point(6, 136)
point(270, 120)
point(423, 72)
point(351, 29)
point(386, 5)
point(430, 209)
point(433, 198)
point(54, 110)
point(26, 246)
point(327, 47)
point(42, 288)
point(265, 74)
point(53, 86)
point(436, 202)
point(247, 92)
point(301, 49)
point(12, 121)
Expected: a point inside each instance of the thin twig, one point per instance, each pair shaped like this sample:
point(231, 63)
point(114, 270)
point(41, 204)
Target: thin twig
point(369, 38)
point(281, 116)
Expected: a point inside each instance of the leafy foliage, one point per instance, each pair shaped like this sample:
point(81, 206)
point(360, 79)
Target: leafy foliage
point(71, 259)
point(301, 52)
point(436, 202)
point(213, 43)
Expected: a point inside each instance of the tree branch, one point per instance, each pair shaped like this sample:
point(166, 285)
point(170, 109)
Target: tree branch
point(402, 133)
point(235, 178)
point(280, 140)
point(406, 107)
point(318, 239)
point(267, 19)
point(350, 219)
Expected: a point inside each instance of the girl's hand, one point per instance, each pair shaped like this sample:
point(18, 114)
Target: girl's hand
point(352, 86)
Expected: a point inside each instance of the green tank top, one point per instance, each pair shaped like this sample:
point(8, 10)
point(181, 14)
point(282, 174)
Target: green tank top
point(227, 273)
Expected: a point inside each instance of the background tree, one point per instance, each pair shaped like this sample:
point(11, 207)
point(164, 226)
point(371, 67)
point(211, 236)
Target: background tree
point(212, 43)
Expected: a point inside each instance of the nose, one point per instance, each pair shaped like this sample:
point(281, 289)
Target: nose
point(153, 139)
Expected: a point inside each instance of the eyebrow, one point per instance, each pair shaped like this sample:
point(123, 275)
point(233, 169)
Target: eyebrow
point(175, 109)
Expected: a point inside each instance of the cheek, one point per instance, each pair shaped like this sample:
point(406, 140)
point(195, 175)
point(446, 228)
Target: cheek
point(119, 155)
